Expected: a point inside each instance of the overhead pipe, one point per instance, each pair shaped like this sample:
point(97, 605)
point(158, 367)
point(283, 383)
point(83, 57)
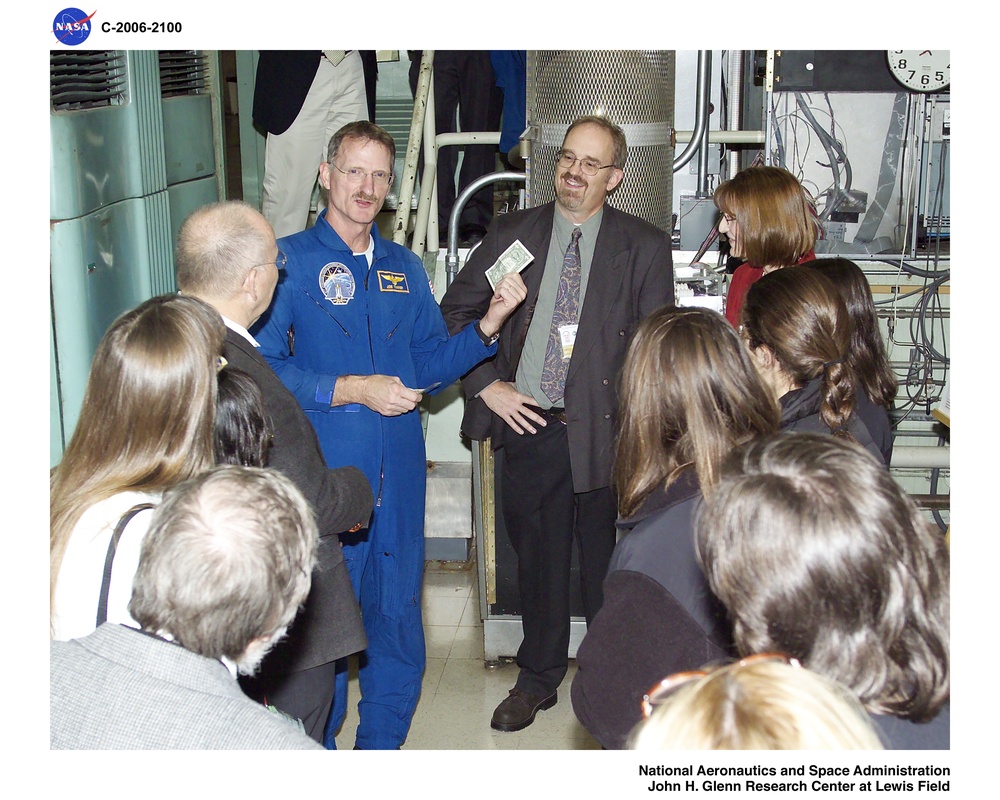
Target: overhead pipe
point(917, 457)
point(705, 93)
point(724, 137)
point(701, 110)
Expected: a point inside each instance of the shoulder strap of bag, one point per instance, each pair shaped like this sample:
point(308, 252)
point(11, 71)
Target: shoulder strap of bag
point(109, 559)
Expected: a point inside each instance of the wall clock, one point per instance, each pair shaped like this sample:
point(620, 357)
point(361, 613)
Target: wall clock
point(921, 70)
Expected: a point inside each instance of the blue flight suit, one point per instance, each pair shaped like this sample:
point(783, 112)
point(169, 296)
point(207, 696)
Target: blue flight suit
point(347, 319)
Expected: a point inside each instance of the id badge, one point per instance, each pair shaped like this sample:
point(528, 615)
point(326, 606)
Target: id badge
point(567, 337)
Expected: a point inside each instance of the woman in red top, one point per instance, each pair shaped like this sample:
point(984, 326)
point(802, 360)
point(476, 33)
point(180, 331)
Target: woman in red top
point(770, 221)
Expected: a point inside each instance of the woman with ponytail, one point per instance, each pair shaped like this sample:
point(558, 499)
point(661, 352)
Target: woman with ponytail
point(877, 383)
point(797, 329)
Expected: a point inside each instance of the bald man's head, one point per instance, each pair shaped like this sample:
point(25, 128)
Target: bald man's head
point(217, 246)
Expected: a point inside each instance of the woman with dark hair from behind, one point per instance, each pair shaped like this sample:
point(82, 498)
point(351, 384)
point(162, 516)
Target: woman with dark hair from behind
point(242, 432)
point(145, 424)
point(770, 222)
point(866, 354)
point(817, 552)
point(798, 333)
point(689, 394)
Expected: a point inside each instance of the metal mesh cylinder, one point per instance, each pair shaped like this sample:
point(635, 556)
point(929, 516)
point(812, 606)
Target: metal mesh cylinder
point(633, 88)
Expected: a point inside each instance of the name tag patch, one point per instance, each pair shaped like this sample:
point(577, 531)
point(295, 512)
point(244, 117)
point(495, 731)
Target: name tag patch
point(392, 282)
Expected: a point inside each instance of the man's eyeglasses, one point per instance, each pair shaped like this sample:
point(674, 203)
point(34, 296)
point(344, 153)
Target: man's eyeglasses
point(658, 694)
point(280, 262)
point(566, 159)
point(357, 175)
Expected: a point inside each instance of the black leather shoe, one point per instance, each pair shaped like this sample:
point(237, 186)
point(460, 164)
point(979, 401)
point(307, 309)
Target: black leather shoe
point(470, 234)
point(519, 709)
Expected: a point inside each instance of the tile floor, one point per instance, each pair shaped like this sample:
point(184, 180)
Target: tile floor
point(459, 691)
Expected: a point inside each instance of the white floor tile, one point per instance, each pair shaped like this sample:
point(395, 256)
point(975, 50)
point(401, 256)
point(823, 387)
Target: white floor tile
point(439, 640)
point(459, 692)
point(442, 610)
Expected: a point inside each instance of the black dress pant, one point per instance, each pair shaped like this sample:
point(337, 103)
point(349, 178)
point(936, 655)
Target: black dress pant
point(543, 517)
point(464, 83)
point(305, 695)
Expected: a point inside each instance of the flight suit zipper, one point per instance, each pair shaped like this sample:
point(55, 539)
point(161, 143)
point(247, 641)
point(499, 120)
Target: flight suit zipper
point(371, 358)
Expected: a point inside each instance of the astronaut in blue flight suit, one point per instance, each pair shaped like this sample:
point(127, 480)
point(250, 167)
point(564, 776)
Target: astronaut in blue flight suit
point(356, 335)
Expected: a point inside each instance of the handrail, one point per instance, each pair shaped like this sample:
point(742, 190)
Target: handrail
point(451, 257)
point(428, 188)
point(446, 140)
point(409, 178)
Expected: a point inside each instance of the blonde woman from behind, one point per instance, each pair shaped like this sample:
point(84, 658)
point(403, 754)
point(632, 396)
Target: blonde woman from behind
point(763, 702)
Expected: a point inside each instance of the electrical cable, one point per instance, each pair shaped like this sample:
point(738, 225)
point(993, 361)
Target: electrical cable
point(831, 146)
point(778, 142)
point(932, 296)
point(935, 475)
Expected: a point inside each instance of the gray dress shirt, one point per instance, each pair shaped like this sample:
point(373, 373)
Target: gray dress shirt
point(529, 369)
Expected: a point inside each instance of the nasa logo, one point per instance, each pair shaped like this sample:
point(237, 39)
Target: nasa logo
point(71, 26)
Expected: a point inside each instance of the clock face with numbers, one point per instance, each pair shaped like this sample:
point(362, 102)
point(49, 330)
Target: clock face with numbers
point(921, 70)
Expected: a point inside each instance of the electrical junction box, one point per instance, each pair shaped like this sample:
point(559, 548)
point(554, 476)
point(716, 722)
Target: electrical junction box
point(698, 216)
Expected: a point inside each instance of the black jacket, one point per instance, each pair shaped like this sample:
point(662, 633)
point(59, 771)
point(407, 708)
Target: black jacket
point(282, 82)
point(876, 419)
point(800, 412)
point(659, 616)
point(903, 734)
point(328, 626)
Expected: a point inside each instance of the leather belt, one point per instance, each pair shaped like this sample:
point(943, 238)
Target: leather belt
point(554, 413)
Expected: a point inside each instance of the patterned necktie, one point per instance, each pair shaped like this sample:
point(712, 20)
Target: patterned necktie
point(565, 313)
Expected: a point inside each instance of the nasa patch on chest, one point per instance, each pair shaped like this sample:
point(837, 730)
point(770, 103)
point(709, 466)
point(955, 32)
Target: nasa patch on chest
point(336, 282)
point(392, 282)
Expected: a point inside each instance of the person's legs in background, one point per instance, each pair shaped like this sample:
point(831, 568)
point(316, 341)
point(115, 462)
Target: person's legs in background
point(292, 159)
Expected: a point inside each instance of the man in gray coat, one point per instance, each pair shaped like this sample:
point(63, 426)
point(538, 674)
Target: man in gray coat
point(223, 568)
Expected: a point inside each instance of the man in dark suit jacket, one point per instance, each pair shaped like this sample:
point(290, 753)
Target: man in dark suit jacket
point(549, 397)
point(226, 256)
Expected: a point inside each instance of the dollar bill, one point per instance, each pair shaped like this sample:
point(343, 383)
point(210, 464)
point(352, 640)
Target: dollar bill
point(513, 259)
